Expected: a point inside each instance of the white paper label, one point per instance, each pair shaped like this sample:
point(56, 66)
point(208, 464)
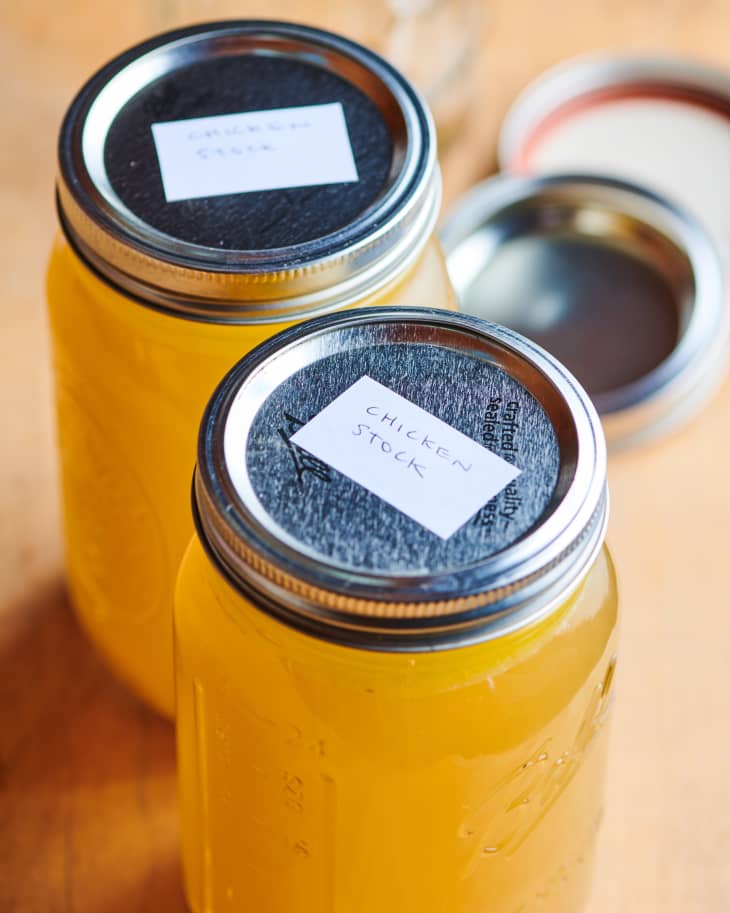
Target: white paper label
point(431, 472)
point(259, 150)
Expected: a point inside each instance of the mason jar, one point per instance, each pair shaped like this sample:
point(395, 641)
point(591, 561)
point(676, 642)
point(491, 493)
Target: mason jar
point(395, 625)
point(216, 184)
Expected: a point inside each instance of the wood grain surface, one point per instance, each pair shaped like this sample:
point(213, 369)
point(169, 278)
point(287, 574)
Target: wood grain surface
point(87, 788)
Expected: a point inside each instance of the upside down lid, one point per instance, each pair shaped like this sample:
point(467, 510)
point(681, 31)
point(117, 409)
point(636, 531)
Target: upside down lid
point(661, 122)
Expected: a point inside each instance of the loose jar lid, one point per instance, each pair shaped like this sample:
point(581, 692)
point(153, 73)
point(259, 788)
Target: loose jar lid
point(235, 169)
point(401, 478)
point(619, 284)
point(663, 123)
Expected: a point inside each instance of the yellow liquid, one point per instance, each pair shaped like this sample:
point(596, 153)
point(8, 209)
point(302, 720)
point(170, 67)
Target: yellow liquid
point(316, 778)
point(131, 387)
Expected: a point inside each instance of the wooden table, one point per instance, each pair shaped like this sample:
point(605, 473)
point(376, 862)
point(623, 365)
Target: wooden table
point(87, 791)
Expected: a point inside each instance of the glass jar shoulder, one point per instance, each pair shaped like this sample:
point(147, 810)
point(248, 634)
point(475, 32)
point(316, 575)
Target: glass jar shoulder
point(555, 657)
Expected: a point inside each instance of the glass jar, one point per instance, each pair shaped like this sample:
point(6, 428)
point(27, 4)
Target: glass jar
point(392, 685)
point(175, 259)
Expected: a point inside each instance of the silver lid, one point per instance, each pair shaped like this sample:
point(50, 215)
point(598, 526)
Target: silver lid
point(247, 256)
point(327, 554)
point(623, 287)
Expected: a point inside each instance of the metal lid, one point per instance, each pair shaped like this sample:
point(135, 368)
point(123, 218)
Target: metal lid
point(662, 122)
point(620, 285)
point(380, 552)
point(338, 193)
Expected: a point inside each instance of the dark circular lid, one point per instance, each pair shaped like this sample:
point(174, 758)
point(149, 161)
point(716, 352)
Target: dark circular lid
point(242, 161)
point(211, 96)
point(413, 473)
